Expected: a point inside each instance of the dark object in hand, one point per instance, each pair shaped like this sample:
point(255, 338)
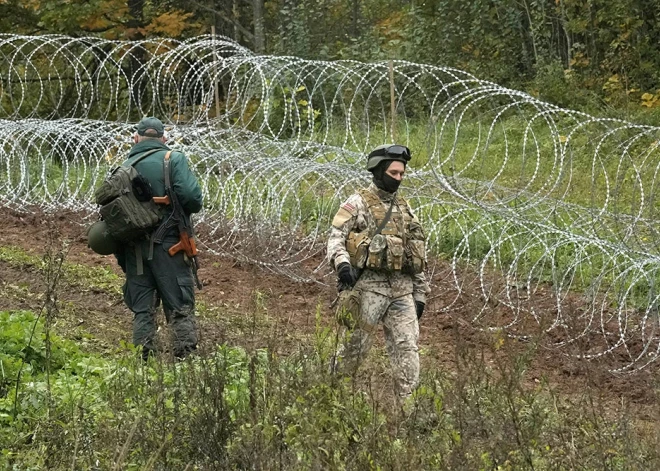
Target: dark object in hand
point(346, 274)
point(419, 306)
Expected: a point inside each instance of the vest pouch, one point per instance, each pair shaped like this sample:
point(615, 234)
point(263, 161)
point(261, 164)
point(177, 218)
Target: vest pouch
point(128, 219)
point(415, 257)
point(394, 253)
point(109, 189)
point(348, 308)
point(357, 246)
point(377, 252)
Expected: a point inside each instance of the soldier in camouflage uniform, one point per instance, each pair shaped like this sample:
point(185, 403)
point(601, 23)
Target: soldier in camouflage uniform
point(152, 275)
point(377, 247)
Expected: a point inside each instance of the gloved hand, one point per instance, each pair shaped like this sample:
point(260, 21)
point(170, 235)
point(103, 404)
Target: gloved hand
point(346, 274)
point(419, 306)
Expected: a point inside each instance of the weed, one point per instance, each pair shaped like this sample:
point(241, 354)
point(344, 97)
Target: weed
point(94, 278)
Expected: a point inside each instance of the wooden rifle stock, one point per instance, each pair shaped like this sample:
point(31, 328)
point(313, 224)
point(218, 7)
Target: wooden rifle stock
point(162, 200)
point(186, 243)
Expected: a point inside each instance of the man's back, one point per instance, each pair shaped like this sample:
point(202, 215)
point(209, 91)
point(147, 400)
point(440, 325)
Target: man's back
point(155, 272)
point(183, 180)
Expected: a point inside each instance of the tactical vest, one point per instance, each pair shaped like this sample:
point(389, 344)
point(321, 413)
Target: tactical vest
point(400, 245)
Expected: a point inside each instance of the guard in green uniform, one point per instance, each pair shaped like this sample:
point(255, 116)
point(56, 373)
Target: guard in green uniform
point(152, 275)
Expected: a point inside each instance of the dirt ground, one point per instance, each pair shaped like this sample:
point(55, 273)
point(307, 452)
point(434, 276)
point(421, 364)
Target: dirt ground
point(244, 305)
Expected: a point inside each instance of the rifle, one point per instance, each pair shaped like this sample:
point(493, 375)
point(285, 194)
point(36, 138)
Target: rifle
point(186, 233)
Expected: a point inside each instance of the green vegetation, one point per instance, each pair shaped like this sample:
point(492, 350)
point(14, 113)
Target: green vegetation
point(62, 408)
point(81, 276)
point(519, 158)
point(592, 56)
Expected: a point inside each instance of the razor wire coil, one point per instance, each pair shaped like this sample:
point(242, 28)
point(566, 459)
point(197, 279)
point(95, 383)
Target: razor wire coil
point(548, 215)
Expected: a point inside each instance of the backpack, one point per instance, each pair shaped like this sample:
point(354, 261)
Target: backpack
point(127, 206)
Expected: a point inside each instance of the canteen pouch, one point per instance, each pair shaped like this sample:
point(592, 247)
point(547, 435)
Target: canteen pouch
point(142, 189)
point(414, 257)
point(348, 308)
point(357, 246)
point(417, 255)
point(394, 253)
point(377, 249)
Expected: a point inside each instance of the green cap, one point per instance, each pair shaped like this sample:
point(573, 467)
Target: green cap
point(150, 127)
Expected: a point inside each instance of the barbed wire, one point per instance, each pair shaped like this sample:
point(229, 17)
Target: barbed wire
point(548, 215)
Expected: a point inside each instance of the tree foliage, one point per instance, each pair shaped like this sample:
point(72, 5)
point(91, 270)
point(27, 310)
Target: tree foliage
point(568, 51)
point(113, 19)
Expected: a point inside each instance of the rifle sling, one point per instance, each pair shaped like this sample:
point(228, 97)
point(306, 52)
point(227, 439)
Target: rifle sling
point(177, 211)
point(159, 234)
point(167, 176)
point(384, 222)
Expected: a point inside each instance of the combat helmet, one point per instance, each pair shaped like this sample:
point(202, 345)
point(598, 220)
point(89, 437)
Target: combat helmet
point(99, 240)
point(387, 152)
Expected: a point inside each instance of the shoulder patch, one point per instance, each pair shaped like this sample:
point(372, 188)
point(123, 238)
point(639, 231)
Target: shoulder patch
point(342, 216)
point(349, 207)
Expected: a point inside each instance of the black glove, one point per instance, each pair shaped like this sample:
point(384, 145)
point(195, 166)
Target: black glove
point(346, 274)
point(419, 306)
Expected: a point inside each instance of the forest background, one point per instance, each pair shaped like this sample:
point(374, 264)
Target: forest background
point(599, 56)
point(486, 401)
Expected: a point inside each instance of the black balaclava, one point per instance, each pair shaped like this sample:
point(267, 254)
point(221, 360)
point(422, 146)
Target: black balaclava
point(382, 180)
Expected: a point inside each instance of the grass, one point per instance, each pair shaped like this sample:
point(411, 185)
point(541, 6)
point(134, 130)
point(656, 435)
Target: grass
point(62, 406)
point(512, 182)
point(261, 406)
point(81, 276)
point(257, 409)
point(516, 157)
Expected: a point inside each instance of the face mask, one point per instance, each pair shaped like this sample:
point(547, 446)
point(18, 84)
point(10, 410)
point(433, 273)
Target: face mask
point(387, 183)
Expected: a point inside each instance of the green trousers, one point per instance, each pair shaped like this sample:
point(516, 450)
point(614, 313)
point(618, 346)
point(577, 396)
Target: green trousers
point(167, 279)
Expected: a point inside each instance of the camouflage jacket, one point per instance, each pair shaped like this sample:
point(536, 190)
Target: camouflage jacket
point(354, 217)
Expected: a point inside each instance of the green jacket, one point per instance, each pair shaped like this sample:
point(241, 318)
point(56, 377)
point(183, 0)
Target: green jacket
point(183, 181)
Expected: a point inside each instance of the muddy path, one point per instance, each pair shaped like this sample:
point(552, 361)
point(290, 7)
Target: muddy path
point(243, 305)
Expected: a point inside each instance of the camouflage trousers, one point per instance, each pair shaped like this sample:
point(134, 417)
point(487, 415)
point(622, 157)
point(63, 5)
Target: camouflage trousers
point(399, 319)
point(167, 279)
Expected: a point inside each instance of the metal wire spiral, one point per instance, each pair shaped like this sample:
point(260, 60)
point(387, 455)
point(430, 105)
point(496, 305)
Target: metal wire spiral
point(548, 215)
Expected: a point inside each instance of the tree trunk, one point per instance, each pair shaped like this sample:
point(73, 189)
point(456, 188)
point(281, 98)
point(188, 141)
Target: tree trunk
point(215, 18)
point(259, 33)
point(136, 12)
point(138, 55)
point(237, 20)
point(354, 22)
